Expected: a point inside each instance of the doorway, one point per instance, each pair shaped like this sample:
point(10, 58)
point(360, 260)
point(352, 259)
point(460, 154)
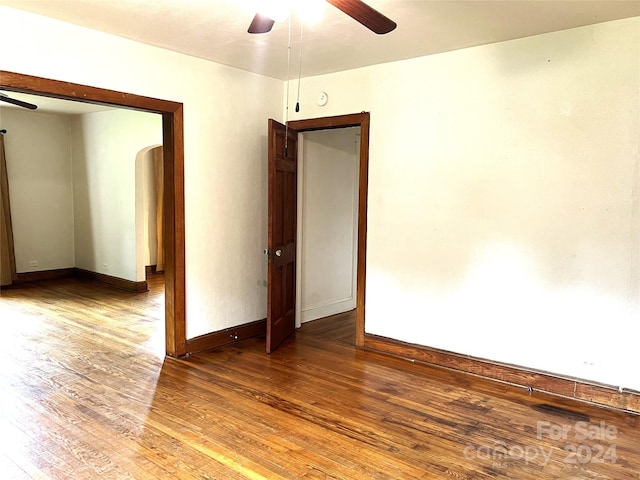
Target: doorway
point(173, 152)
point(327, 223)
point(361, 120)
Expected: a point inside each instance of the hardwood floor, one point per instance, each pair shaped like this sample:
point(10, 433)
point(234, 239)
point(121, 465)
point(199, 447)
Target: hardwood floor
point(86, 393)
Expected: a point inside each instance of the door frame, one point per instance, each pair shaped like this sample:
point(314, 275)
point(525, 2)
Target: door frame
point(173, 151)
point(361, 120)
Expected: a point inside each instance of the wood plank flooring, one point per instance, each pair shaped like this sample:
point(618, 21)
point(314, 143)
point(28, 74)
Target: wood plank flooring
point(85, 393)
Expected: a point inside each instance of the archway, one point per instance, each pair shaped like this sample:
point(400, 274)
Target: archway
point(149, 211)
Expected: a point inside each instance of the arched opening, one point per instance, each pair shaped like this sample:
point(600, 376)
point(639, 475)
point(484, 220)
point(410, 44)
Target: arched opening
point(149, 211)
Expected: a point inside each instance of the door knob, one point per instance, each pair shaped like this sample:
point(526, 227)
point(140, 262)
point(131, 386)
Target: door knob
point(278, 253)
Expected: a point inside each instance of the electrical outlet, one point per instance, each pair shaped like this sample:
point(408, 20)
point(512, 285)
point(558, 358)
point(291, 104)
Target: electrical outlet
point(33, 263)
point(105, 267)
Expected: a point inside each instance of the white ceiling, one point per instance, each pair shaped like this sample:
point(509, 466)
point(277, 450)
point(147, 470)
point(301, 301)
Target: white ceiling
point(217, 29)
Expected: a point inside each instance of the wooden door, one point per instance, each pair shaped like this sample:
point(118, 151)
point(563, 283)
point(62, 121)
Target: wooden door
point(281, 238)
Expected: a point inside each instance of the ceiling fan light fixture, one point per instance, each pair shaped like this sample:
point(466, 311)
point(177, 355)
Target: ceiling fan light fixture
point(272, 11)
point(277, 10)
point(310, 11)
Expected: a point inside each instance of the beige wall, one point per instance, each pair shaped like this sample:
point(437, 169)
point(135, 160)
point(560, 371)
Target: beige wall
point(37, 147)
point(104, 150)
point(225, 118)
point(503, 198)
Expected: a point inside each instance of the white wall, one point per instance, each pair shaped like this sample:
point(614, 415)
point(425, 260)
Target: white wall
point(503, 215)
point(225, 118)
point(37, 147)
point(328, 226)
point(104, 150)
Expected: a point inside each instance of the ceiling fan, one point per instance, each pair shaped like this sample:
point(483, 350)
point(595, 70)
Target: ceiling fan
point(356, 9)
point(14, 101)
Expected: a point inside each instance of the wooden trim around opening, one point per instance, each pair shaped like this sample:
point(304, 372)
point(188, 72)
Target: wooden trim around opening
point(226, 336)
point(535, 380)
point(361, 120)
point(173, 151)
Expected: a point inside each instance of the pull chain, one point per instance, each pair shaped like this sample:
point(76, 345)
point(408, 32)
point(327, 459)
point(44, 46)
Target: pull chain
point(300, 67)
point(286, 114)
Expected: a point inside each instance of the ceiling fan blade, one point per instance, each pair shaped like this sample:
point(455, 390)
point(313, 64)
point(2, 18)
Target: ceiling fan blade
point(367, 16)
point(261, 24)
point(20, 103)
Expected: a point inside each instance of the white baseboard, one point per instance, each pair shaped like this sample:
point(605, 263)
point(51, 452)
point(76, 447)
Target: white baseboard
point(320, 311)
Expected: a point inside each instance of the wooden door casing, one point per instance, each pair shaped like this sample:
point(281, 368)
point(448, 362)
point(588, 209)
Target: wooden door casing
point(361, 120)
point(173, 153)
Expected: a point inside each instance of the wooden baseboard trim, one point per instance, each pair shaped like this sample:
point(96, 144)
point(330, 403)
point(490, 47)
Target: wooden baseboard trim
point(566, 387)
point(61, 273)
point(151, 269)
point(115, 282)
point(44, 275)
point(226, 336)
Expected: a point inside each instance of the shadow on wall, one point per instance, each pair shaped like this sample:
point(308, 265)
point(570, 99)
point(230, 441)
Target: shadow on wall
point(84, 236)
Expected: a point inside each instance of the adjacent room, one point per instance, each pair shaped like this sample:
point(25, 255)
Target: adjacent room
point(82, 189)
point(426, 212)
